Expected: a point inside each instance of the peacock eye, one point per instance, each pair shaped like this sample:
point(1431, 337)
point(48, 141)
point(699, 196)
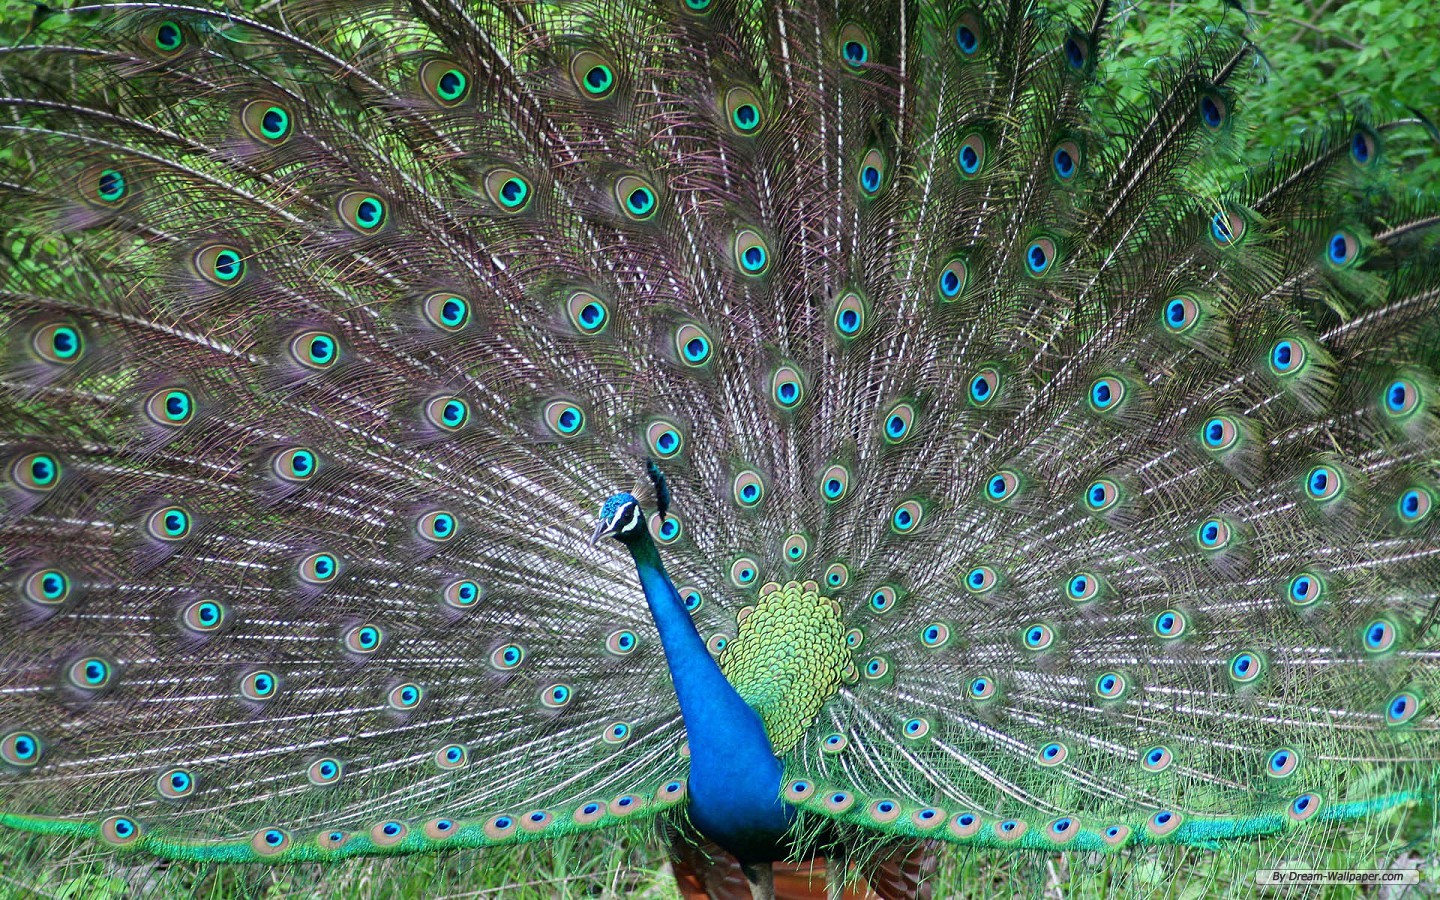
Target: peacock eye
point(220, 264)
point(899, 422)
point(508, 190)
point(362, 212)
point(445, 82)
point(972, 154)
point(952, 280)
point(266, 122)
point(855, 47)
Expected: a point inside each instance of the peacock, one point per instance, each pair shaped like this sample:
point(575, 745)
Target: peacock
point(807, 427)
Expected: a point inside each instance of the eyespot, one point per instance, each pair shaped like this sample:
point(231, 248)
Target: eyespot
point(851, 315)
point(1077, 51)
point(834, 742)
point(1110, 686)
point(716, 644)
point(325, 771)
point(666, 530)
point(171, 407)
point(438, 526)
point(267, 122)
point(1414, 505)
point(1052, 754)
point(1401, 398)
point(855, 47)
point(507, 657)
point(1401, 708)
point(47, 587)
point(621, 643)
point(204, 617)
point(1039, 256)
point(1180, 315)
point(883, 598)
point(1219, 433)
point(58, 343)
point(1323, 483)
point(362, 212)
point(906, 517)
point(535, 820)
point(984, 387)
point(1162, 823)
point(446, 83)
point(799, 791)
point(364, 639)
point(388, 834)
point(219, 264)
point(839, 801)
point(751, 254)
point(508, 190)
point(876, 668)
point(120, 830)
point(319, 568)
point(166, 37)
point(1002, 486)
point(105, 187)
point(1102, 494)
point(1305, 588)
point(270, 841)
point(1214, 111)
point(884, 811)
point(952, 279)
point(169, 524)
point(698, 6)
point(982, 687)
point(1282, 763)
point(692, 598)
point(795, 548)
point(743, 111)
point(1010, 830)
point(447, 413)
point(616, 733)
point(898, 423)
point(748, 489)
point(1287, 357)
point(964, 825)
point(564, 418)
point(500, 827)
point(787, 387)
point(404, 697)
point(1303, 807)
point(589, 314)
point(1107, 394)
point(872, 173)
point(452, 756)
point(854, 638)
point(980, 580)
point(1379, 636)
point(38, 473)
point(589, 813)
point(935, 635)
point(1115, 835)
point(835, 483)
point(446, 311)
point(1065, 160)
point(592, 74)
point(1364, 148)
point(90, 674)
point(21, 749)
point(637, 199)
point(1082, 587)
point(295, 464)
point(1156, 759)
point(1342, 250)
point(1245, 667)
point(1227, 228)
point(971, 155)
point(837, 575)
point(1170, 624)
point(743, 572)
point(663, 438)
point(1038, 636)
point(260, 685)
point(462, 594)
point(692, 345)
point(316, 350)
point(1213, 534)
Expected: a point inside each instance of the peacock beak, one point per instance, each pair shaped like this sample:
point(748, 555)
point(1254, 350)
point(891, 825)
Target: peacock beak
point(602, 528)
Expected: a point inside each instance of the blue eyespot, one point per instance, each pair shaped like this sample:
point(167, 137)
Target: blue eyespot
point(1304, 589)
point(1181, 313)
point(1245, 667)
point(1323, 483)
point(1401, 397)
point(1287, 357)
point(1414, 505)
point(1066, 160)
point(1040, 256)
point(1212, 111)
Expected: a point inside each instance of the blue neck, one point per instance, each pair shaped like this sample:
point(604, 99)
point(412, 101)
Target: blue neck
point(734, 783)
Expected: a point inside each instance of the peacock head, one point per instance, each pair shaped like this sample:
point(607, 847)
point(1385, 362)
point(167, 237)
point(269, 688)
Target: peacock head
point(621, 518)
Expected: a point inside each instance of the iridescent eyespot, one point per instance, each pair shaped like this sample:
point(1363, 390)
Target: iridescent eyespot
point(851, 315)
point(952, 280)
point(799, 791)
point(1401, 398)
point(203, 617)
point(876, 668)
point(447, 413)
point(166, 37)
point(364, 640)
point(362, 212)
point(1107, 394)
point(743, 112)
point(1304, 589)
point(1082, 587)
point(452, 756)
point(270, 841)
point(404, 697)
point(325, 771)
point(1214, 534)
point(1414, 505)
point(1077, 51)
point(717, 644)
point(507, 657)
point(835, 483)
point(748, 489)
point(388, 834)
point(1364, 147)
point(1038, 636)
point(854, 46)
point(1156, 759)
point(839, 801)
point(171, 407)
point(744, 571)
point(1323, 483)
point(872, 173)
point(331, 840)
point(1010, 830)
point(316, 350)
point(564, 418)
point(219, 264)
point(882, 599)
point(462, 594)
point(1110, 686)
point(1115, 835)
point(981, 687)
point(446, 83)
point(508, 190)
point(965, 825)
point(1227, 227)
point(834, 742)
point(665, 530)
point(90, 674)
point(637, 199)
point(295, 464)
point(175, 784)
point(692, 345)
point(1245, 667)
point(787, 387)
point(169, 524)
point(592, 74)
point(1401, 708)
point(1052, 754)
point(437, 527)
point(698, 6)
point(1287, 356)
point(971, 155)
point(36, 472)
point(935, 635)
point(1170, 624)
point(21, 749)
point(914, 729)
point(499, 827)
point(1342, 250)
point(795, 548)
point(319, 568)
point(106, 187)
point(1065, 160)
point(621, 643)
point(837, 575)
point(58, 343)
point(267, 122)
point(692, 598)
point(1101, 495)
point(1002, 486)
point(589, 314)
point(898, 423)
point(1282, 763)
point(1219, 433)
point(906, 517)
point(1303, 807)
point(616, 733)
point(47, 587)
point(1213, 110)
point(446, 311)
point(259, 686)
point(980, 580)
point(984, 387)
point(120, 830)
point(1379, 636)
point(1180, 314)
point(664, 438)
point(751, 254)
point(1039, 256)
